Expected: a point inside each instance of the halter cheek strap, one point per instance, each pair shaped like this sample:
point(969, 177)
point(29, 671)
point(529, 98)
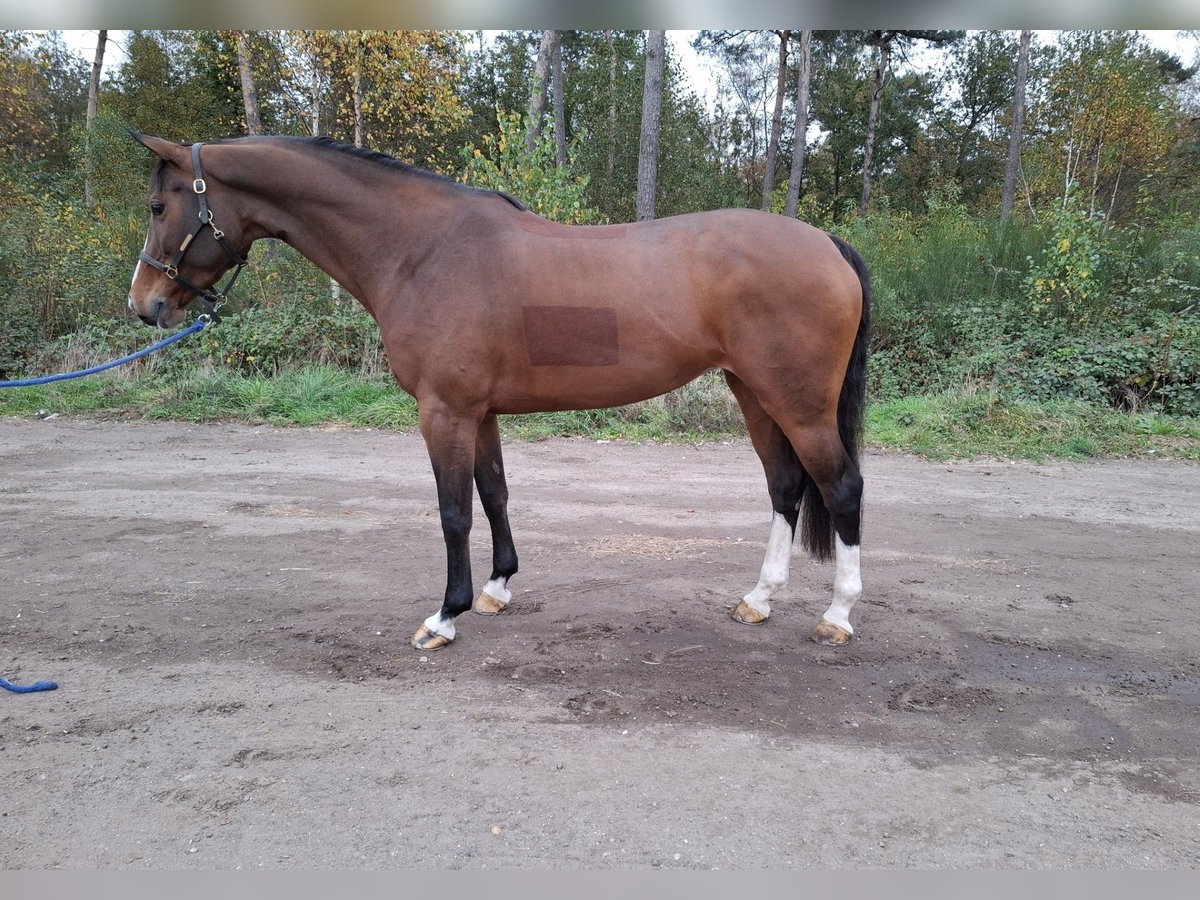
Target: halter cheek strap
point(211, 298)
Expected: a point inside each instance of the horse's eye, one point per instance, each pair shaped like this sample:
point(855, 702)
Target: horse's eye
point(157, 209)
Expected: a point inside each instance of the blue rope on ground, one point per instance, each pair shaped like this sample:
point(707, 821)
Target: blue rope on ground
point(198, 325)
point(28, 688)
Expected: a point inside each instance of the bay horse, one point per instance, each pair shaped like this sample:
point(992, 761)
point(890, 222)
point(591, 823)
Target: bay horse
point(486, 309)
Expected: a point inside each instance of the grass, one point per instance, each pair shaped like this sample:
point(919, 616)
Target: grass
point(948, 426)
point(941, 426)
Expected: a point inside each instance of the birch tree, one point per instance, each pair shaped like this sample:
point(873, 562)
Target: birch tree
point(541, 87)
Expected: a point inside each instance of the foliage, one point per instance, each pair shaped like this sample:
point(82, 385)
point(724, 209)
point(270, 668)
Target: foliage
point(1062, 283)
point(938, 426)
point(1105, 122)
point(972, 116)
point(956, 425)
point(1090, 295)
point(398, 88)
point(174, 84)
point(503, 164)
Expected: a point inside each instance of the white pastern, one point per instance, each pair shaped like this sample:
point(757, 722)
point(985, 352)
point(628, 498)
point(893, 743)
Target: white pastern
point(497, 590)
point(775, 567)
point(438, 625)
point(847, 585)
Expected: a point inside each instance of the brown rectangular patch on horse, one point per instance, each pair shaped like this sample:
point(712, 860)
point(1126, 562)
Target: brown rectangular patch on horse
point(571, 335)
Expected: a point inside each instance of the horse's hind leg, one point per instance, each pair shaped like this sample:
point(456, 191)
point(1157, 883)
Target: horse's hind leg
point(493, 493)
point(836, 475)
point(450, 438)
point(785, 484)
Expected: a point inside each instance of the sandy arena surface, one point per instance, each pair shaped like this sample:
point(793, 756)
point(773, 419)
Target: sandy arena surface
point(227, 610)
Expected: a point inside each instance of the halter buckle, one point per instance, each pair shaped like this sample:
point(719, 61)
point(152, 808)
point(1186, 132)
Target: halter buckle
point(199, 186)
point(170, 271)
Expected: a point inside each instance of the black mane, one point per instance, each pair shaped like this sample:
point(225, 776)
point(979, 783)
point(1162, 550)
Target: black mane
point(384, 159)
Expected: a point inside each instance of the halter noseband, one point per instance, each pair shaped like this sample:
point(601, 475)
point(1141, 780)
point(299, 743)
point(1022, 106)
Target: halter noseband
point(211, 298)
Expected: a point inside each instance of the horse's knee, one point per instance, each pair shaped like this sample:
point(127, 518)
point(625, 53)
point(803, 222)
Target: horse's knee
point(456, 522)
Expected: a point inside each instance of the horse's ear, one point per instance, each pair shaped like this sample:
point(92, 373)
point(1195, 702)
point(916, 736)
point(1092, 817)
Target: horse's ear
point(163, 149)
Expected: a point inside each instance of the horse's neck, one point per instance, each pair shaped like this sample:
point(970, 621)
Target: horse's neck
point(334, 214)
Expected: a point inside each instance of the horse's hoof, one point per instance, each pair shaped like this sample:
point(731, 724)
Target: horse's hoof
point(424, 639)
point(829, 634)
point(487, 605)
point(747, 614)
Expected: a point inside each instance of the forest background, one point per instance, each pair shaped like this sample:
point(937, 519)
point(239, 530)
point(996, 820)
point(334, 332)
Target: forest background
point(1028, 204)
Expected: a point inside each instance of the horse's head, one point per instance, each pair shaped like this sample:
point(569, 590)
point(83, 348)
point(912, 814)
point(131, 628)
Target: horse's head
point(195, 237)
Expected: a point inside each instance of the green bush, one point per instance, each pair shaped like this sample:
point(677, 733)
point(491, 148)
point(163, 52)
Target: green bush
point(503, 164)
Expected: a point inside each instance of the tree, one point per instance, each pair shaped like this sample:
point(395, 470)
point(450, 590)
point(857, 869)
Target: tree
point(978, 88)
point(839, 108)
point(885, 42)
point(749, 94)
point(647, 180)
point(1017, 129)
point(395, 91)
point(800, 133)
point(245, 64)
point(541, 86)
point(560, 113)
point(776, 119)
point(93, 102)
point(177, 84)
point(549, 189)
point(1106, 122)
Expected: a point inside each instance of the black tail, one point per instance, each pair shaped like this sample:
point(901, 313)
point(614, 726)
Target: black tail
point(817, 526)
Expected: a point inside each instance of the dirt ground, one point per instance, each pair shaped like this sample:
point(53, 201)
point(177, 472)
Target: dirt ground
point(227, 610)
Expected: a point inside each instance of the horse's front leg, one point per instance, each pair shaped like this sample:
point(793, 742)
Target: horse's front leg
point(450, 438)
point(493, 493)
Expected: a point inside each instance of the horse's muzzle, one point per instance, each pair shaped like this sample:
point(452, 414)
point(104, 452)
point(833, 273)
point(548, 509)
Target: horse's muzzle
point(156, 315)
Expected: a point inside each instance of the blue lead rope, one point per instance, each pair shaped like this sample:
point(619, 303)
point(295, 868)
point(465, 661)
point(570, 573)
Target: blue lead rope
point(198, 325)
point(28, 688)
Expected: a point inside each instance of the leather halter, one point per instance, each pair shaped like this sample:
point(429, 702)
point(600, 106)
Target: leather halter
point(211, 298)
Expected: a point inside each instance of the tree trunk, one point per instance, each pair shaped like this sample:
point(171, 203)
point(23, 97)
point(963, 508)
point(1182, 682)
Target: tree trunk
point(647, 179)
point(315, 99)
point(881, 68)
point(249, 91)
point(360, 136)
point(610, 162)
point(560, 111)
point(803, 84)
point(92, 106)
point(541, 84)
point(776, 121)
point(1018, 127)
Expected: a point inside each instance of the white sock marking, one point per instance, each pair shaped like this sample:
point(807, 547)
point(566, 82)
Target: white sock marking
point(776, 564)
point(496, 590)
point(847, 585)
point(438, 625)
